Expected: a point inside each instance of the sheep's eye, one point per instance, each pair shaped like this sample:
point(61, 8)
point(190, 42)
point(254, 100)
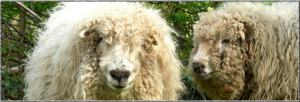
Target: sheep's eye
point(100, 39)
point(226, 41)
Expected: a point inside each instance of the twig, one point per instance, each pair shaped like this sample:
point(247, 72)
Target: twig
point(24, 11)
point(30, 11)
point(10, 69)
point(13, 28)
point(172, 10)
point(3, 94)
point(9, 25)
point(16, 61)
point(8, 57)
point(4, 29)
point(31, 5)
point(193, 94)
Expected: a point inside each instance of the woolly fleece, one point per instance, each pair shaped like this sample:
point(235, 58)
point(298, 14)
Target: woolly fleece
point(65, 65)
point(261, 61)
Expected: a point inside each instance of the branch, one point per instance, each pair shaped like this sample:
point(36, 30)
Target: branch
point(25, 40)
point(10, 69)
point(13, 27)
point(173, 10)
point(30, 11)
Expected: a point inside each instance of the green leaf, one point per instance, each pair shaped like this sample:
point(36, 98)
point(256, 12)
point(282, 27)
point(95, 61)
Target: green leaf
point(197, 9)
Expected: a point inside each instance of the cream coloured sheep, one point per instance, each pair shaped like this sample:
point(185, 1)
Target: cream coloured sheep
point(104, 51)
point(247, 51)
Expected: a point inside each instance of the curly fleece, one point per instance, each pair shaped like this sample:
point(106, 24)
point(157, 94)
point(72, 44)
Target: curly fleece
point(261, 62)
point(64, 66)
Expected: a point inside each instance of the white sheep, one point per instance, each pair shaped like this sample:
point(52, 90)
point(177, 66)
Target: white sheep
point(104, 51)
point(247, 51)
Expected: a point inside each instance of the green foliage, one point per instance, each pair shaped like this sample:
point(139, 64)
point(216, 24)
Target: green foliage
point(182, 16)
point(268, 3)
point(14, 44)
point(10, 85)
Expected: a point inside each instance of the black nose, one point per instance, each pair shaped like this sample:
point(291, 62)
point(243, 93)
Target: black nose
point(119, 75)
point(198, 67)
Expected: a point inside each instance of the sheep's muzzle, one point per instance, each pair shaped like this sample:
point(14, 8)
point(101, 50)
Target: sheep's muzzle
point(121, 76)
point(198, 69)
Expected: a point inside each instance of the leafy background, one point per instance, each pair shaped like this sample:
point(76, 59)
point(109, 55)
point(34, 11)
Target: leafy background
point(18, 29)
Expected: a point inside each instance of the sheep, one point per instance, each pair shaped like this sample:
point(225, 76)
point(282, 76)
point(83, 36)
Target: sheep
point(104, 51)
point(247, 51)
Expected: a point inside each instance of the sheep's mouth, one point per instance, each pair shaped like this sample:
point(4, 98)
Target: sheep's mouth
point(203, 76)
point(119, 87)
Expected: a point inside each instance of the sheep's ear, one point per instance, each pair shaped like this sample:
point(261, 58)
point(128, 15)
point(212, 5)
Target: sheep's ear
point(250, 30)
point(242, 34)
point(84, 33)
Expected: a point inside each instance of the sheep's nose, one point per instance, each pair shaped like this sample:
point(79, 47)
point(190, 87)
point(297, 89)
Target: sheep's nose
point(120, 75)
point(198, 67)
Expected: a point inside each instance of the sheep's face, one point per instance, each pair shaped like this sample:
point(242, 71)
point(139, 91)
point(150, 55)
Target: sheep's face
point(217, 60)
point(206, 52)
point(119, 64)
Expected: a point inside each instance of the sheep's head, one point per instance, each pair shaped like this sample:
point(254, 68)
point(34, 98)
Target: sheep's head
point(118, 60)
point(118, 63)
point(217, 62)
point(127, 44)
